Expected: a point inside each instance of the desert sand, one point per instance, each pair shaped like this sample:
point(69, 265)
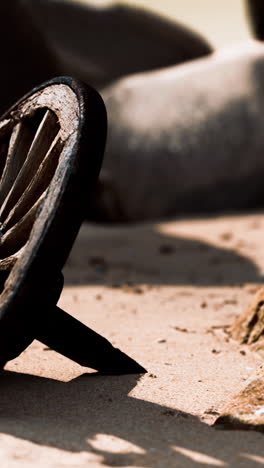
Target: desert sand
point(164, 293)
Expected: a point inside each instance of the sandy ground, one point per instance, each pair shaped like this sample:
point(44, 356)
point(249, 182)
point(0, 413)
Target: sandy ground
point(163, 293)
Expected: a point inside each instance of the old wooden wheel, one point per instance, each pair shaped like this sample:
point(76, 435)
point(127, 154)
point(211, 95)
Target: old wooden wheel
point(51, 149)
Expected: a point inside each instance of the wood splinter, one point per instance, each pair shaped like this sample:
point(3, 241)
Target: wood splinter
point(249, 327)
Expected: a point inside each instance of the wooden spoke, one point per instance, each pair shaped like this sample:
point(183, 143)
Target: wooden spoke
point(32, 139)
point(18, 235)
point(20, 141)
point(5, 125)
point(7, 263)
point(47, 131)
point(5, 139)
point(31, 142)
point(6, 266)
point(39, 183)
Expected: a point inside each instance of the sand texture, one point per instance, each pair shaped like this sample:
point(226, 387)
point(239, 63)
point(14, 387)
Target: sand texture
point(165, 294)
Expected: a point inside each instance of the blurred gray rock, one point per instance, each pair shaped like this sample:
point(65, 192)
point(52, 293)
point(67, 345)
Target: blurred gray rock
point(186, 139)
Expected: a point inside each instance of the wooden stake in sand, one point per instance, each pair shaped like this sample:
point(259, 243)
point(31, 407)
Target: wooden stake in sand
point(51, 149)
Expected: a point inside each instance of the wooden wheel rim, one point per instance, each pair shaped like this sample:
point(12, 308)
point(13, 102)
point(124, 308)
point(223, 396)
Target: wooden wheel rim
point(69, 125)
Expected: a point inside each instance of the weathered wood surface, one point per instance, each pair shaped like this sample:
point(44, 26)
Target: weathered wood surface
point(40, 145)
point(37, 185)
point(40, 129)
point(20, 141)
point(249, 327)
point(27, 133)
point(42, 209)
point(52, 148)
point(17, 236)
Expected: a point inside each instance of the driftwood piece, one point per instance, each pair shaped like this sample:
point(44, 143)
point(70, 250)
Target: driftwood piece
point(246, 409)
point(249, 327)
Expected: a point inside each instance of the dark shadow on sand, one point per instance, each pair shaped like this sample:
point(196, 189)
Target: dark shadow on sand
point(141, 254)
point(70, 415)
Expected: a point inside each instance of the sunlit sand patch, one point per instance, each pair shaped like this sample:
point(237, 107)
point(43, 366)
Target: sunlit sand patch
point(254, 458)
point(113, 444)
point(199, 457)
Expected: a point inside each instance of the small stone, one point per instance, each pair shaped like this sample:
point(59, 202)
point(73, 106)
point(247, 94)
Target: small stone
point(226, 236)
point(212, 411)
point(215, 351)
point(132, 289)
point(180, 329)
point(251, 289)
point(183, 329)
point(230, 301)
point(169, 413)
